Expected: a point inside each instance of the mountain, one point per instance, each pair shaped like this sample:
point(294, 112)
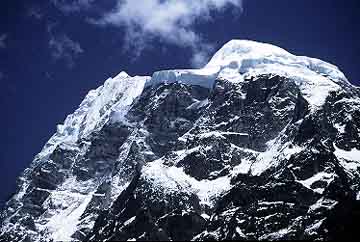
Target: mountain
point(259, 144)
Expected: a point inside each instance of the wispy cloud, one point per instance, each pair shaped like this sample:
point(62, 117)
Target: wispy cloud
point(171, 21)
point(64, 48)
point(71, 6)
point(3, 38)
point(35, 12)
point(1, 75)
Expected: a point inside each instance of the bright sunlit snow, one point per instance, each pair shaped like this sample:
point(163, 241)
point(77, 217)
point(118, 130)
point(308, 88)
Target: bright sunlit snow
point(171, 179)
point(243, 58)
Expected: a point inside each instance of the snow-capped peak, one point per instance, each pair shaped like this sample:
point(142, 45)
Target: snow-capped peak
point(109, 101)
point(122, 74)
point(246, 55)
point(204, 159)
point(239, 59)
point(235, 51)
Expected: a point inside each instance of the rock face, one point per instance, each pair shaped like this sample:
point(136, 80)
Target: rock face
point(258, 145)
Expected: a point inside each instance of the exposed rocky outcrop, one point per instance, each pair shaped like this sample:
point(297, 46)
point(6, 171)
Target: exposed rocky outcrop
point(257, 154)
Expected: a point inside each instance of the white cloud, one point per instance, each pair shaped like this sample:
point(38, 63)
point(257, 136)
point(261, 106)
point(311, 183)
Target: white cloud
point(3, 38)
point(171, 21)
point(64, 48)
point(200, 57)
point(71, 6)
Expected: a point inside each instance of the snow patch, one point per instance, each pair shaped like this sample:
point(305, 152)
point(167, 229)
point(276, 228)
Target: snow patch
point(205, 216)
point(322, 203)
point(312, 229)
point(350, 160)
point(321, 176)
point(352, 155)
point(64, 208)
point(172, 179)
point(276, 152)
point(275, 235)
point(64, 224)
point(199, 104)
point(243, 168)
point(117, 187)
point(340, 128)
point(130, 89)
point(239, 232)
point(129, 221)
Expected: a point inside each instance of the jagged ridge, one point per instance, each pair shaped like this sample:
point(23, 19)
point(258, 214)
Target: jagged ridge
point(258, 144)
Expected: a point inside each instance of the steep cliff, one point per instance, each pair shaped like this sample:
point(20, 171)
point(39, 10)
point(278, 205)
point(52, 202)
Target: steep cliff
point(258, 144)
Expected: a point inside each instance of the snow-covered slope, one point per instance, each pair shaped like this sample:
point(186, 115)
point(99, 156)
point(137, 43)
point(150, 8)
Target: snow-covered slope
point(108, 103)
point(258, 144)
point(239, 59)
point(116, 95)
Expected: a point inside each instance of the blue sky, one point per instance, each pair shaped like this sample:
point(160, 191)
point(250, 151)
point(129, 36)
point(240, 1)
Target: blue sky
point(52, 52)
